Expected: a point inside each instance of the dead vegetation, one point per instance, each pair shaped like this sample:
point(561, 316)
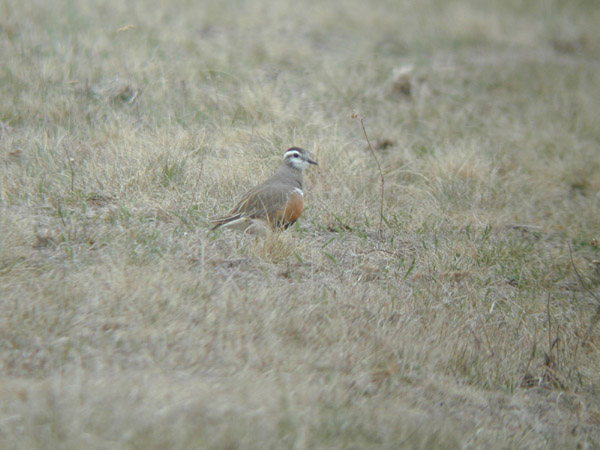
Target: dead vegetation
point(440, 290)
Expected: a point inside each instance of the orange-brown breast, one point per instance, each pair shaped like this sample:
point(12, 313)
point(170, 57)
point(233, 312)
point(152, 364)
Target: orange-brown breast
point(292, 211)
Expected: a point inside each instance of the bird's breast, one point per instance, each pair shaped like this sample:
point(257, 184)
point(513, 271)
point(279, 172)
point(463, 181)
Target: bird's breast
point(293, 208)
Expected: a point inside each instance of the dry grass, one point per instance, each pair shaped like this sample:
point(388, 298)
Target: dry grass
point(124, 323)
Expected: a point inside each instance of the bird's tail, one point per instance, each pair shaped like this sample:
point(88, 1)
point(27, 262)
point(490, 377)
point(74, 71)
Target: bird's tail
point(224, 220)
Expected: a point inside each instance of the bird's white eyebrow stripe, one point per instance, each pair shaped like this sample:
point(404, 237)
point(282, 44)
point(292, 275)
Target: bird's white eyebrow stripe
point(289, 152)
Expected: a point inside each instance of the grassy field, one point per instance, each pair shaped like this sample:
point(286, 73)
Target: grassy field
point(468, 319)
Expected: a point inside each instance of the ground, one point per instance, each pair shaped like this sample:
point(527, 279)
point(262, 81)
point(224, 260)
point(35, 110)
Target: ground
point(441, 290)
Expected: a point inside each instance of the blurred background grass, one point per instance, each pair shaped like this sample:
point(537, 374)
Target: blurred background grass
point(125, 125)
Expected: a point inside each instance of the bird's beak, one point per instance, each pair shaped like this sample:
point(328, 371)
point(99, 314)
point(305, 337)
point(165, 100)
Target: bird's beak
point(310, 161)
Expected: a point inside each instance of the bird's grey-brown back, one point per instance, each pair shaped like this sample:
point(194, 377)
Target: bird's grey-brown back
point(272, 196)
point(288, 178)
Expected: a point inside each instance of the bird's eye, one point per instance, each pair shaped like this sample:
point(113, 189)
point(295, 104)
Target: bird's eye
point(295, 155)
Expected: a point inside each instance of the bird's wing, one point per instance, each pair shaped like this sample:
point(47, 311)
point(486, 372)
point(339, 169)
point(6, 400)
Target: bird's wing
point(265, 200)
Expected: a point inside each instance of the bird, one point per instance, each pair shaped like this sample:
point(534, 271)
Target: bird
point(277, 203)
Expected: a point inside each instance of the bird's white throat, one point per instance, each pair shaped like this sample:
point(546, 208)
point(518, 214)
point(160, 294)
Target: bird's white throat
point(299, 164)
